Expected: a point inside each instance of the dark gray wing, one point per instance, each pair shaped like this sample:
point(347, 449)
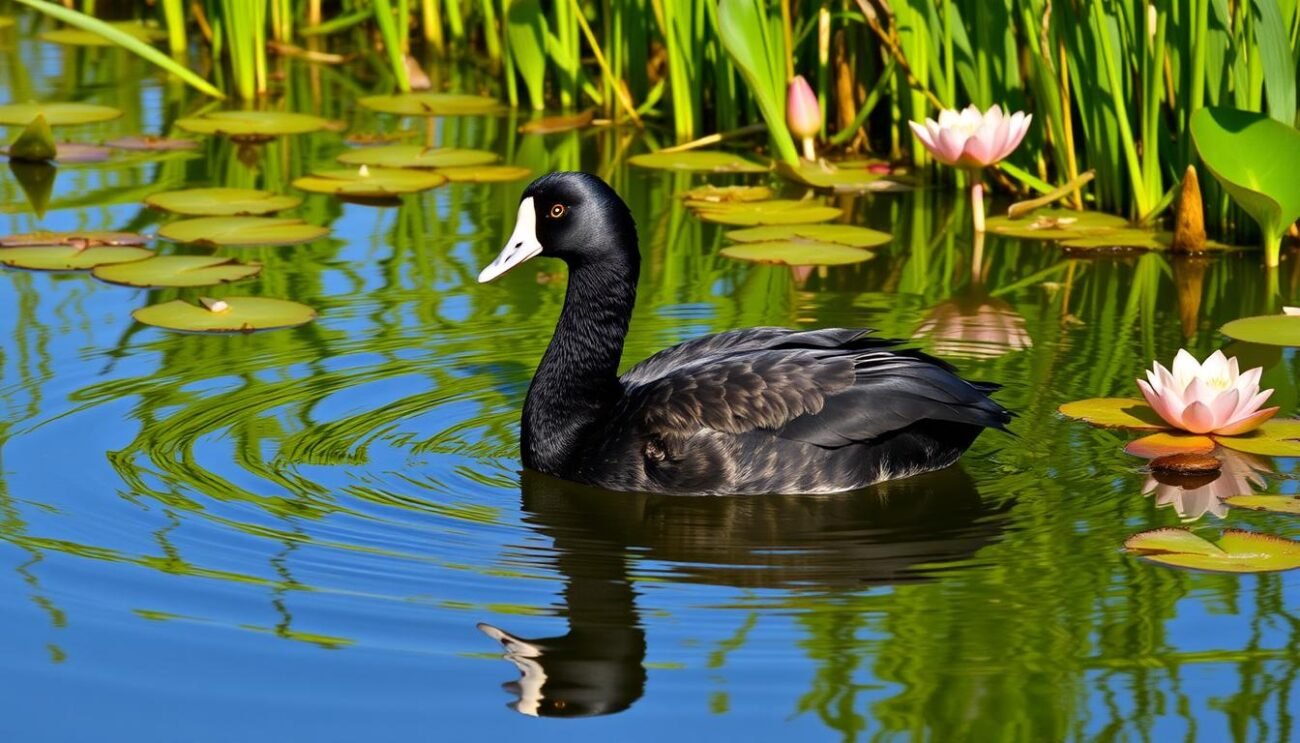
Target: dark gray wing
point(702, 351)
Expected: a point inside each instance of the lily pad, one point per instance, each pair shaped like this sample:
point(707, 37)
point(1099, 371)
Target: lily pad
point(1276, 438)
point(56, 114)
point(1274, 503)
point(797, 253)
point(69, 257)
point(562, 123)
point(228, 315)
point(147, 142)
point(698, 161)
point(1237, 551)
point(485, 174)
point(242, 231)
point(252, 125)
point(1056, 224)
point(177, 270)
point(1255, 159)
point(81, 240)
point(777, 211)
point(415, 156)
point(369, 182)
point(1114, 412)
point(841, 179)
point(1130, 238)
point(434, 104)
point(80, 37)
point(705, 195)
point(1269, 330)
point(1164, 444)
point(221, 202)
point(840, 234)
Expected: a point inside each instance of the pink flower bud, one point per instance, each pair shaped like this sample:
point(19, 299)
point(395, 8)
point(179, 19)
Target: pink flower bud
point(802, 111)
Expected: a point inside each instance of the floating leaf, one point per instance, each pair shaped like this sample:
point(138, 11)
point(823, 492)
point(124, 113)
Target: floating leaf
point(369, 182)
point(69, 257)
point(1276, 438)
point(35, 143)
point(1237, 551)
point(1164, 444)
point(1255, 159)
point(1274, 503)
point(698, 161)
point(777, 211)
point(242, 231)
point(415, 156)
point(82, 239)
point(434, 104)
point(1114, 412)
point(840, 234)
point(1056, 224)
point(840, 179)
point(709, 194)
point(229, 315)
point(485, 174)
point(56, 114)
point(221, 201)
point(553, 124)
point(1269, 330)
point(797, 253)
point(253, 125)
point(151, 143)
point(1130, 238)
point(79, 37)
point(177, 270)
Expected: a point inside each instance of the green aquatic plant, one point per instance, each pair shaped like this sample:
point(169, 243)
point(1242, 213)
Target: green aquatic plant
point(1236, 551)
point(759, 54)
point(698, 161)
point(176, 271)
point(1269, 330)
point(416, 156)
point(1272, 503)
point(796, 253)
point(70, 257)
point(222, 202)
point(35, 143)
point(1255, 158)
point(238, 231)
point(56, 114)
point(252, 125)
point(226, 315)
point(365, 182)
point(774, 212)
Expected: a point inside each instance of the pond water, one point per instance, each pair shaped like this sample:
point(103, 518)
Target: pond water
point(295, 534)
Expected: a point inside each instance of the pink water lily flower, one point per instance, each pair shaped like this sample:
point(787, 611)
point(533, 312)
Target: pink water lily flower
point(1214, 397)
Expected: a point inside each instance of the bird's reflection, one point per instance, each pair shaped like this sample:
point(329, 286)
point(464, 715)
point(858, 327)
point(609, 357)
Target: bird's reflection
point(828, 543)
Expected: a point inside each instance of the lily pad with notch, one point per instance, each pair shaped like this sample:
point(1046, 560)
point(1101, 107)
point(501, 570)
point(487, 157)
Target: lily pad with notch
point(252, 126)
point(1279, 437)
point(1272, 503)
point(369, 183)
point(1114, 412)
point(237, 231)
point(698, 161)
point(227, 315)
point(840, 234)
point(1236, 552)
point(1268, 330)
point(177, 271)
point(415, 156)
point(797, 253)
point(80, 239)
point(1056, 224)
point(704, 196)
point(70, 257)
point(776, 211)
point(56, 114)
point(842, 179)
point(434, 104)
point(222, 202)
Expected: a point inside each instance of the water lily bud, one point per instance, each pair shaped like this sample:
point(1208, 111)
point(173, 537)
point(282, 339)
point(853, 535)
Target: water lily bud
point(363, 171)
point(802, 111)
point(214, 305)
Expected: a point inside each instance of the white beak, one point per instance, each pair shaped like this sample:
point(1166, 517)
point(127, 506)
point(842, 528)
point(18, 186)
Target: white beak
point(521, 246)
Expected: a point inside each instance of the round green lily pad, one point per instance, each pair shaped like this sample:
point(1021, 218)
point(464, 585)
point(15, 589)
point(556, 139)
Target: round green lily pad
point(221, 202)
point(485, 174)
point(433, 104)
point(1237, 551)
point(252, 124)
point(777, 211)
point(705, 195)
point(228, 315)
point(1276, 438)
point(177, 270)
point(56, 114)
point(415, 156)
point(839, 178)
point(797, 253)
point(1163, 444)
point(79, 240)
point(1114, 412)
point(369, 182)
point(698, 161)
point(1269, 330)
point(69, 257)
point(1055, 224)
point(1129, 238)
point(80, 37)
point(147, 142)
point(242, 231)
point(1273, 503)
point(840, 234)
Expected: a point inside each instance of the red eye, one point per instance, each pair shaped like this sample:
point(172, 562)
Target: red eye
point(557, 211)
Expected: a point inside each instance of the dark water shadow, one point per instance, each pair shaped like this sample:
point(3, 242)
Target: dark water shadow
point(811, 544)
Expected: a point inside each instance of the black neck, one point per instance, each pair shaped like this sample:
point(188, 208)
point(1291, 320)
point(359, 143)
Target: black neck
point(576, 384)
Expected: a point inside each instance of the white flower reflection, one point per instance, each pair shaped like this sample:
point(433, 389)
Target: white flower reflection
point(1193, 496)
